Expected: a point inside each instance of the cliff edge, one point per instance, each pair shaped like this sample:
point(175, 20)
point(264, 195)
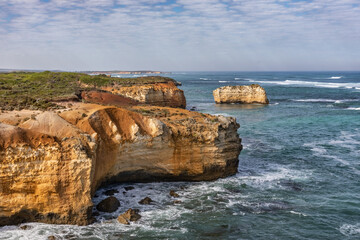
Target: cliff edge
point(51, 164)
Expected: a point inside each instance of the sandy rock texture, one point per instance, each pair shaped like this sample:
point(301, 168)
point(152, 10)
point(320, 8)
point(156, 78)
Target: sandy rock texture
point(51, 163)
point(241, 94)
point(157, 94)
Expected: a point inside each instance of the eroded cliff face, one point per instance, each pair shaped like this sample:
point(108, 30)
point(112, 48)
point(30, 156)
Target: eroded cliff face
point(52, 163)
point(157, 94)
point(241, 94)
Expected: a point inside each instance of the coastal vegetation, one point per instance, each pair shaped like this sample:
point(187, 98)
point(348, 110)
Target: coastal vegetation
point(29, 90)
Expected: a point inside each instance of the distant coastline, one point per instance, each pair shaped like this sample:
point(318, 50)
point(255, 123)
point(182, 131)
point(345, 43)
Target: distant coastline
point(90, 72)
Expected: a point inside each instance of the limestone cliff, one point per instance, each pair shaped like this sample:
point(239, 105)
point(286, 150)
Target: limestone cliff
point(241, 94)
point(52, 163)
point(157, 94)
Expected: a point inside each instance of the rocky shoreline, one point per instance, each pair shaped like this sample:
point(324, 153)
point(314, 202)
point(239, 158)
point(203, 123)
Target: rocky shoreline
point(53, 161)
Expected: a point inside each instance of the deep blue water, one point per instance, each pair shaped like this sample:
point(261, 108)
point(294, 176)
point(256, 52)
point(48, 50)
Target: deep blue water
point(299, 171)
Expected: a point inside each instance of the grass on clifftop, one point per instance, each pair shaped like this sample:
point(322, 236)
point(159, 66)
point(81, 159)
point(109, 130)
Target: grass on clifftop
point(28, 90)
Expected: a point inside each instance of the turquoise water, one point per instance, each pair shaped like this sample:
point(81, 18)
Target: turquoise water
point(298, 174)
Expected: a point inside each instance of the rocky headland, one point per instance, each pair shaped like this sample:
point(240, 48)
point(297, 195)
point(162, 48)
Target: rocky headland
point(253, 93)
point(57, 149)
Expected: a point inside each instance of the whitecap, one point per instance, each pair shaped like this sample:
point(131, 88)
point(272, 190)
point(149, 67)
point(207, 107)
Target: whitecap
point(336, 77)
point(223, 81)
point(353, 108)
point(312, 84)
point(314, 100)
point(350, 230)
point(204, 78)
point(298, 213)
point(271, 179)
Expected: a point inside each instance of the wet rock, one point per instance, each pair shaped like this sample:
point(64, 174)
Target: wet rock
point(70, 237)
point(121, 219)
point(177, 202)
point(131, 215)
point(110, 204)
point(128, 188)
point(25, 227)
point(111, 192)
point(173, 193)
point(95, 214)
point(146, 201)
point(51, 237)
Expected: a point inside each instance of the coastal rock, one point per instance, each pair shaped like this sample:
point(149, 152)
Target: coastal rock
point(146, 201)
point(128, 188)
point(131, 215)
point(173, 194)
point(157, 94)
point(110, 204)
point(111, 192)
point(51, 165)
point(241, 94)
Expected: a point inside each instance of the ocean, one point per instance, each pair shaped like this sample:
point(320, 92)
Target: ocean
point(298, 176)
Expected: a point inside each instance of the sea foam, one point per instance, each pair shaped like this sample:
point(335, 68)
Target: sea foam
point(311, 84)
point(350, 230)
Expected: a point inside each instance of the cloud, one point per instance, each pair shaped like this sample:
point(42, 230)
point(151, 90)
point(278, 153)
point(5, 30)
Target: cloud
point(180, 34)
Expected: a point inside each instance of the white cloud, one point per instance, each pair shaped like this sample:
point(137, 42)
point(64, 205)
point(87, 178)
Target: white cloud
point(204, 35)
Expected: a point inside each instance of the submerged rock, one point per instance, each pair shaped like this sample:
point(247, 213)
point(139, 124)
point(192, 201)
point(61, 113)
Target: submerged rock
point(25, 227)
point(131, 215)
point(110, 204)
point(146, 201)
point(173, 194)
point(128, 188)
point(111, 192)
point(241, 94)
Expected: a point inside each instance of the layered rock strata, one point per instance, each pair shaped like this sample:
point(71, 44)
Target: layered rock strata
point(241, 94)
point(157, 94)
point(52, 163)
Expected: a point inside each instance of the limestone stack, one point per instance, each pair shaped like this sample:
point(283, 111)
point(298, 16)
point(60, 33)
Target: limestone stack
point(241, 94)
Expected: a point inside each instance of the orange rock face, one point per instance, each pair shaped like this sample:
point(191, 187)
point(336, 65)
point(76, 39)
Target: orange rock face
point(241, 94)
point(51, 164)
point(157, 94)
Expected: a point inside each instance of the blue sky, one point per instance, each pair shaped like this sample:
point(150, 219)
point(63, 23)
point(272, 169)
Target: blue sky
point(179, 35)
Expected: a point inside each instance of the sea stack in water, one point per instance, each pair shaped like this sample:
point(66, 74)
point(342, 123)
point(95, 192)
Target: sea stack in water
point(241, 94)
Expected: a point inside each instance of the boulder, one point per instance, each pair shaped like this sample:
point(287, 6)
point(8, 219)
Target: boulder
point(110, 204)
point(241, 94)
point(131, 215)
point(146, 201)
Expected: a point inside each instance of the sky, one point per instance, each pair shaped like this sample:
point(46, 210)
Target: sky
point(180, 35)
